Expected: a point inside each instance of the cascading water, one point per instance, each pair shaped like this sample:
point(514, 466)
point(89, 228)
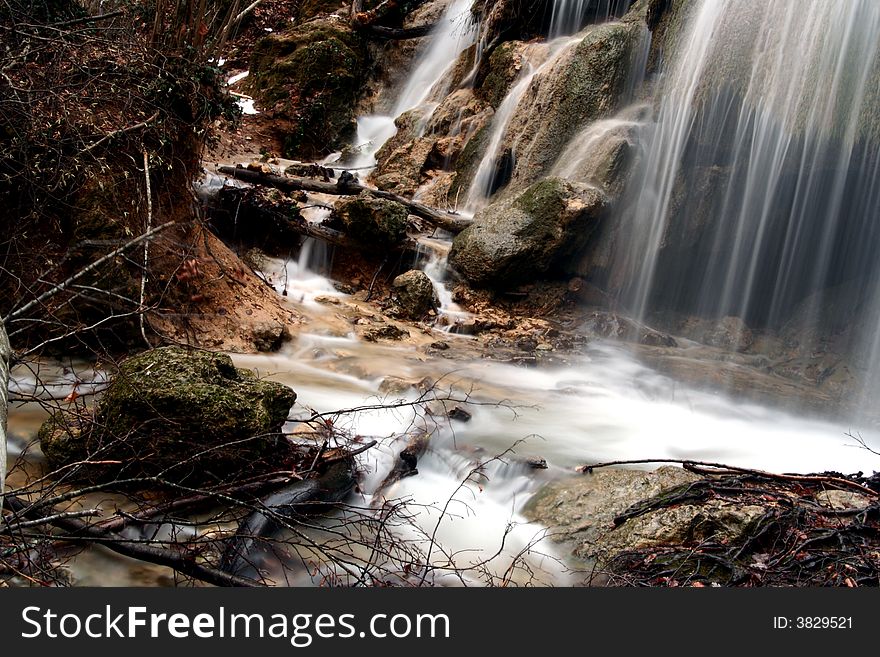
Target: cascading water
point(455, 32)
point(759, 196)
point(788, 205)
point(568, 16)
point(536, 59)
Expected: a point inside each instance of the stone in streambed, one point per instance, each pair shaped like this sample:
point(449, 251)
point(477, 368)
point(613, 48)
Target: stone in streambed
point(374, 222)
point(518, 240)
point(183, 415)
point(413, 294)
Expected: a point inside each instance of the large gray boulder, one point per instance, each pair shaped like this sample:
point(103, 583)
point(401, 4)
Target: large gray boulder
point(582, 511)
point(519, 239)
point(179, 414)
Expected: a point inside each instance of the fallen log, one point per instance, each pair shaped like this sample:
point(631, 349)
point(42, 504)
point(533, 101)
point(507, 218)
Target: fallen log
point(449, 222)
point(406, 463)
point(303, 498)
point(399, 33)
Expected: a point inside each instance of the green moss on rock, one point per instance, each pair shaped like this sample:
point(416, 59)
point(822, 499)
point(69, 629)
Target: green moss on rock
point(184, 415)
point(373, 222)
point(520, 239)
point(501, 71)
point(311, 74)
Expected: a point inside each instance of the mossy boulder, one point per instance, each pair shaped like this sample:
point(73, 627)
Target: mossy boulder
point(373, 222)
point(311, 75)
point(519, 239)
point(182, 415)
point(413, 294)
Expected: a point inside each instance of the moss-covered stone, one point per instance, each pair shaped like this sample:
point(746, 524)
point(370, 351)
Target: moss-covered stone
point(311, 74)
point(500, 72)
point(373, 222)
point(179, 414)
point(589, 80)
point(517, 240)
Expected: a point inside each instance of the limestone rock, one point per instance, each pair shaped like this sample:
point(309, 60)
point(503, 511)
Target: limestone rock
point(587, 82)
point(413, 294)
point(516, 240)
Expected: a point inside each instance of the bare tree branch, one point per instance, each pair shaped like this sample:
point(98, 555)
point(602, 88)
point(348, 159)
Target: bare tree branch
point(60, 287)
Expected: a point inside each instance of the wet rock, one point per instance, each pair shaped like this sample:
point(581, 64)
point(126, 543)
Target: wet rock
point(386, 332)
point(582, 508)
point(374, 222)
point(394, 385)
point(413, 294)
point(729, 333)
point(520, 239)
point(269, 336)
point(536, 462)
point(842, 499)
point(716, 520)
point(440, 346)
point(583, 511)
point(500, 72)
point(311, 75)
point(458, 413)
point(517, 18)
point(185, 415)
point(428, 143)
point(401, 160)
point(589, 81)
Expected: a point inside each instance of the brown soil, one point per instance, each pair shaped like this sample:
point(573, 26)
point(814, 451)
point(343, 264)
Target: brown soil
point(220, 304)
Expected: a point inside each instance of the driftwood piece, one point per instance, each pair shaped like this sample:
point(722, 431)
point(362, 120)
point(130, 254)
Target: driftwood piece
point(406, 463)
point(446, 221)
point(302, 498)
point(80, 531)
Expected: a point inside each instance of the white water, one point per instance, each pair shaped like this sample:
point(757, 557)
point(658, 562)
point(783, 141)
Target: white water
point(668, 141)
point(577, 161)
point(775, 101)
point(297, 279)
point(454, 33)
point(568, 16)
point(433, 252)
point(606, 407)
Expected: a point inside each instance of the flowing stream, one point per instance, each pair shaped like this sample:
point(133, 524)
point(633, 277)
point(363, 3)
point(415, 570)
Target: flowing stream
point(795, 213)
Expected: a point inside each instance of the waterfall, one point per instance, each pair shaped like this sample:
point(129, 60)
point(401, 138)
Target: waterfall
point(758, 196)
point(454, 33)
point(568, 16)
